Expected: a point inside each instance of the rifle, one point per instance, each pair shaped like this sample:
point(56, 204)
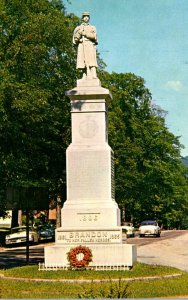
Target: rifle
point(84, 51)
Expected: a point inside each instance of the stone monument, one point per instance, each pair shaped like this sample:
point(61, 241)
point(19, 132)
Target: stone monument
point(90, 215)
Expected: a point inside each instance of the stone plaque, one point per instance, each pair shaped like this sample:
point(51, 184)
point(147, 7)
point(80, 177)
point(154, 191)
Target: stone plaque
point(88, 128)
point(89, 236)
point(89, 174)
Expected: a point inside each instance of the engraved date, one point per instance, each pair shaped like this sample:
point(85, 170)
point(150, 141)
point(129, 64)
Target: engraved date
point(88, 217)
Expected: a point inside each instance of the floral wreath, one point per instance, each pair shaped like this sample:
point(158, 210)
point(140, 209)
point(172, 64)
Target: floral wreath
point(72, 257)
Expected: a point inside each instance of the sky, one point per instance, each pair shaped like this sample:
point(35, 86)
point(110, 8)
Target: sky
point(150, 39)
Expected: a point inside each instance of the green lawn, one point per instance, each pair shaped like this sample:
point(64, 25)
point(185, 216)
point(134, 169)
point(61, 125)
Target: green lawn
point(165, 287)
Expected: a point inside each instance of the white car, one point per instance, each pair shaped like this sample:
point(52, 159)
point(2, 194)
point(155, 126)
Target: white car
point(128, 228)
point(18, 236)
point(149, 228)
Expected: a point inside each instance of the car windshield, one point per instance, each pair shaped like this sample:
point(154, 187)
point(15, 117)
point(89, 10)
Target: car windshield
point(149, 223)
point(44, 227)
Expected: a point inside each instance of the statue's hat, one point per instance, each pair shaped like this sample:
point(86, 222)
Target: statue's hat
point(85, 14)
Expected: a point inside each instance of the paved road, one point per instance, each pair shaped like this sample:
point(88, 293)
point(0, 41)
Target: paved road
point(170, 249)
point(167, 234)
point(17, 256)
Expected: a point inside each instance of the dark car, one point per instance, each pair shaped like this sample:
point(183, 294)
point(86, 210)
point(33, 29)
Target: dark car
point(46, 232)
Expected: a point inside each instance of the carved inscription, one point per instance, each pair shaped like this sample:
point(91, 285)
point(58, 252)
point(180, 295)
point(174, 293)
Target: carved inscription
point(71, 237)
point(88, 217)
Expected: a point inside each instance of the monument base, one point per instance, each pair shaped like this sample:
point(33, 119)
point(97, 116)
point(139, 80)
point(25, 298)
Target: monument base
point(90, 216)
point(106, 255)
point(106, 245)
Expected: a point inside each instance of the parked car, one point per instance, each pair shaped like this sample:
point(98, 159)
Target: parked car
point(46, 232)
point(18, 235)
point(149, 228)
point(128, 228)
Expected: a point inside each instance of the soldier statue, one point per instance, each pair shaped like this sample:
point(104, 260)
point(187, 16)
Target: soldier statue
point(85, 39)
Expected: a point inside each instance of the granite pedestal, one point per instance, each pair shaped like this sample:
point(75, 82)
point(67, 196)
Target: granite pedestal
point(90, 215)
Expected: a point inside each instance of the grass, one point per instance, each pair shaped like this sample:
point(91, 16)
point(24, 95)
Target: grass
point(139, 270)
point(171, 287)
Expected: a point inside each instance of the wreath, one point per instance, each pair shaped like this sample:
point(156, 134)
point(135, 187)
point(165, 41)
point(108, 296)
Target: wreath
point(73, 259)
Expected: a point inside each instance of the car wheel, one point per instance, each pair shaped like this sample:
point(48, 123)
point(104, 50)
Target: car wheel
point(158, 234)
point(141, 235)
point(32, 242)
point(36, 241)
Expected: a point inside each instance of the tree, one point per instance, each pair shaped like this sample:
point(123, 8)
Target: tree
point(37, 63)
point(150, 178)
